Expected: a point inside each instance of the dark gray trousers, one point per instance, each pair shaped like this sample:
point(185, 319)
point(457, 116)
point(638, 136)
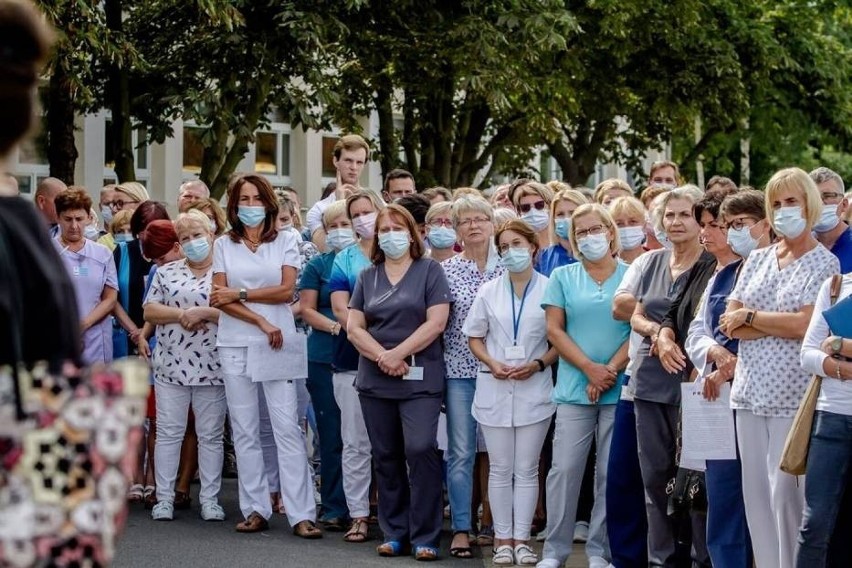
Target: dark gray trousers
point(403, 436)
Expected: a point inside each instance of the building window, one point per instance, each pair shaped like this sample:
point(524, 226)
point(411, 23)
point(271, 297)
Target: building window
point(193, 150)
point(138, 141)
point(328, 169)
point(33, 151)
point(266, 154)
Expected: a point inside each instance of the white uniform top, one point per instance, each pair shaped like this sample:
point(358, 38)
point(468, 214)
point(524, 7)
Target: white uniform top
point(834, 396)
point(261, 269)
point(629, 285)
point(508, 403)
point(314, 217)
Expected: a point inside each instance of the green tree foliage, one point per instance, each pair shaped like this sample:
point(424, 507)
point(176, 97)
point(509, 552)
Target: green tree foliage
point(225, 65)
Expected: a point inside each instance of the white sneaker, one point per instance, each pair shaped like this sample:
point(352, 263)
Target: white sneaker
point(163, 511)
point(598, 562)
point(212, 511)
point(549, 563)
point(581, 531)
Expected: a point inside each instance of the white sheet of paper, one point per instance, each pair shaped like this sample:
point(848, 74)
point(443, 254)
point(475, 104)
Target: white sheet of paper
point(707, 427)
point(289, 362)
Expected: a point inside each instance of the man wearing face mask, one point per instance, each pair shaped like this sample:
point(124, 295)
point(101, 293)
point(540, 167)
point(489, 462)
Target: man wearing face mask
point(831, 231)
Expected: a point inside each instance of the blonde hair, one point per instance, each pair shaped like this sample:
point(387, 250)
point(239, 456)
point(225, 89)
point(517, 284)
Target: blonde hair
point(133, 189)
point(120, 218)
point(473, 203)
point(440, 208)
point(503, 215)
point(571, 195)
point(216, 209)
point(532, 188)
point(556, 186)
point(627, 206)
point(604, 217)
point(466, 192)
point(795, 179)
point(190, 219)
point(333, 211)
point(609, 185)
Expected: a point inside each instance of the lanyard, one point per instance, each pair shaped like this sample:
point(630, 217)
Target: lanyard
point(516, 318)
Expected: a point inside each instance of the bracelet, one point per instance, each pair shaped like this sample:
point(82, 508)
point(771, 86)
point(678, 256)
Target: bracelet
point(541, 365)
point(837, 369)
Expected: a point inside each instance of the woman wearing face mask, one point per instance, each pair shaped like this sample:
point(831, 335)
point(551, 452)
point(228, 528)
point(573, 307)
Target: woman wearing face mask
point(714, 357)
point(316, 311)
point(769, 311)
point(440, 232)
point(186, 366)
point(254, 276)
point(214, 213)
point(532, 202)
point(593, 350)
point(398, 311)
point(629, 216)
point(119, 231)
point(472, 218)
point(560, 253)
point(92, 271)
point(506, 332)
point(362, 208)
point(656, 391)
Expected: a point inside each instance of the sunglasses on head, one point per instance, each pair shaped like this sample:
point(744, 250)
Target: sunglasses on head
point(525, 207)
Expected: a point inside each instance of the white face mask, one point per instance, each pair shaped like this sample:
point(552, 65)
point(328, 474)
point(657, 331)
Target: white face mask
point(593, 247)
point(789, 221)
point(741, 241)
point(631, 237)
point(365, 225)
point(538, 219)
point(662, 238)
point(91, 232)
point(828, 219)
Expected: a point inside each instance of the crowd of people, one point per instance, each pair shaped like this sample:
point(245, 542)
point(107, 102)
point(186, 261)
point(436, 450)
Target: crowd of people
point(516, 355)
point(513, 359)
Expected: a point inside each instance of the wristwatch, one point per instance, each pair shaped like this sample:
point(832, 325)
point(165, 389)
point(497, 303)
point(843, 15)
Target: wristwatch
point(749, 317)
point(541, 365)
point(836, 344)
point(243, 294)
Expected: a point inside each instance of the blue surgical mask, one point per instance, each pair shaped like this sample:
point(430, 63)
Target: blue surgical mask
point(339, 239)
point(251, 215)
point(741, 241)
point(394, 243)
point(789, 221)
point(828, 219)
point(662, 238)
point(122, 237)
point(442, 237)
point(593, 247)
point(536, 218)
point(631, 237)
point(106, 214)
point(286, 227)
point(516, 259)
point(91, 232)
point(196, 250)
point(563, 227)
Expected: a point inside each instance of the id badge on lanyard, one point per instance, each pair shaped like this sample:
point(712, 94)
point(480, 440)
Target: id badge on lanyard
point(517, 352)
point(414, 373)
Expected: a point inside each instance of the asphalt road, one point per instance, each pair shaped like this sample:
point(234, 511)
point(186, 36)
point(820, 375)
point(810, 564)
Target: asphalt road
point(189, 542)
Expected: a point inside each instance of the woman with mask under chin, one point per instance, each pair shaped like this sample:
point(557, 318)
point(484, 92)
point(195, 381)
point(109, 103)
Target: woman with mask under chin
point(506, 333)
point(398, 312)
point(254, 277)
point(317, 313)
point(560, 253)
point(532, 202)
point(362, 208)
point(186, 366)
point(768, 311)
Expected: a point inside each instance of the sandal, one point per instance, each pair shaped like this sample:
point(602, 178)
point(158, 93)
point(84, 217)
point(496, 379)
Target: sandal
point(333, 525)
point(182, 501)
point(485, 536)
point(390, 548)
point(358, 532)
point(136, 493)
point(424, 553)
point(254, 523)
point(524, 555)
point(307, 529)
point(277, 503)
point(461, 551)
point(503, 556)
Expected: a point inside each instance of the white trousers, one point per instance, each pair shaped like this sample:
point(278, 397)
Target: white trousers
point(357, 451)
point(513, 476)
point(774, 500)
point(281, 396)
point(576, 424)
point(208, 406)
point(267, 436)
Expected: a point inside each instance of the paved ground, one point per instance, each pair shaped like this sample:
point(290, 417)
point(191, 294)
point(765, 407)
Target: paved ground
point(189, 542)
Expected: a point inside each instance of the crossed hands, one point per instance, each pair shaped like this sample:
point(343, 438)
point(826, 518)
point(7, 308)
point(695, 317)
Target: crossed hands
point(601, 379)
point(503, 371)
point(730, 321)
point(725, 362)
point(392, 363)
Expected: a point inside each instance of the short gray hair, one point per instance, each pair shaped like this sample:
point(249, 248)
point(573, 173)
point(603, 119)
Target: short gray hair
point(823, 174)
point(474, 203)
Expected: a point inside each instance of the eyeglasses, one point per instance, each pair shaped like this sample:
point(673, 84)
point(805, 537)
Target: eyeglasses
point(830, 196)
point(474, 220)
point(525, 207)
point(436, 223)
point(595, 230)
point(738, 224)
point(120, 203)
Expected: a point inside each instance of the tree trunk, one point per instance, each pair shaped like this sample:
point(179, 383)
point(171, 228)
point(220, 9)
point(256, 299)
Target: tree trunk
point(388, 146)
point(61, 148)
point(118, 93)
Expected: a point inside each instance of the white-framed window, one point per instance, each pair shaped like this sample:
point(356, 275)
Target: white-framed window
point(272, 153)
point(193, 150)
point(141, 150)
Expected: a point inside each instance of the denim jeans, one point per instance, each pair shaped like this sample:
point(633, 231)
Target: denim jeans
point(827, 475)
point(461, 450)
